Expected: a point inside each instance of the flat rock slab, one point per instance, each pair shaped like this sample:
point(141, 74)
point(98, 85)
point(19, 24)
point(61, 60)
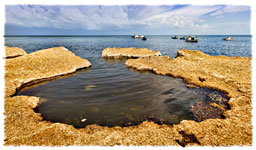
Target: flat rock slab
point(12, 52)
point(41, 64)
point(131, 52)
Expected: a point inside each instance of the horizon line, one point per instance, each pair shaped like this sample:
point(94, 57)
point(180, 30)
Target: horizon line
point(112, 35)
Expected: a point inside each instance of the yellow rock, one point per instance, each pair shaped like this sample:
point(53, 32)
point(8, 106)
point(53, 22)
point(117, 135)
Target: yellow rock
point(129, 52)
point(25, 127)
point(42, 64)
point(11, 52)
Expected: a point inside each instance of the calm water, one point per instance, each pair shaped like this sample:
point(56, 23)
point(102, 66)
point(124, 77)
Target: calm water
point(110, 94)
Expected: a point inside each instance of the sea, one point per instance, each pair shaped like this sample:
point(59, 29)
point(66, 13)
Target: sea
point(108, 93)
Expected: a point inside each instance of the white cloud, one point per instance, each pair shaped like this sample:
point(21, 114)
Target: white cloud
point(229, 9)
point(115, 17)
point(92, 17)
point(186, 17)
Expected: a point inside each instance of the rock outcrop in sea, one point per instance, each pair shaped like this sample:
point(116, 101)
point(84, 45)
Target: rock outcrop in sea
point(39, 65)
point(131, 52)
point(12, 52)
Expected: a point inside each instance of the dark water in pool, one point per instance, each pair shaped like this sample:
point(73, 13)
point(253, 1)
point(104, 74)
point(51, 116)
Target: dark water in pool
point(110, 94)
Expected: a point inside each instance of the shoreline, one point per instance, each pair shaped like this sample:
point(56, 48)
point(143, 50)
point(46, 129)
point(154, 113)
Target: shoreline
point(147, 133)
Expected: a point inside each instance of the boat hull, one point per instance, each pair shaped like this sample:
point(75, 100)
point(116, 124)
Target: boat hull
point(191, 40)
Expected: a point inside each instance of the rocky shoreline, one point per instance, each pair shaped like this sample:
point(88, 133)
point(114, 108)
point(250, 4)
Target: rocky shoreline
point(231, 75)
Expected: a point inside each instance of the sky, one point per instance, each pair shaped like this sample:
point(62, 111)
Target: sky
point(127, 19)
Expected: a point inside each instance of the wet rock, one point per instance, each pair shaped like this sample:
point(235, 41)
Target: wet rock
point(147, 118)
point(131, 52)
point(203, 110)
point(218, 99)
point(152, 118)
point(129, 123)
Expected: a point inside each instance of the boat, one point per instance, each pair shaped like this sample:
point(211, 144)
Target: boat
point(144, 38)
point(191, 39)
point(182, 38)
point(135, 36)
point(141, 36)
point(175, 37)
point(228, 38)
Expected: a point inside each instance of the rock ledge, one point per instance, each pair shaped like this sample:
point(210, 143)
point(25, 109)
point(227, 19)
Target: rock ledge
point(131, 52)
point(12, 52)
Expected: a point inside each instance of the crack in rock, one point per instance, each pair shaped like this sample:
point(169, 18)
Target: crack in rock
point(187, 138)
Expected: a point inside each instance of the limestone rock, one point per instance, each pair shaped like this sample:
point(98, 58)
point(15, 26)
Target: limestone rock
point(12, 52)
point(41, 64)
point(129, 52)
point(25, 127)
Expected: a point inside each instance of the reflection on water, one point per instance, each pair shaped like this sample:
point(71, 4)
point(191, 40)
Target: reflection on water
point(109, 94)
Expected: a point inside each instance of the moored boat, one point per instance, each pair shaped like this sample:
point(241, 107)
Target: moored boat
point(175, 37)
point(182, 38)
point(191, 39)
point(135, 36)
point(228, 38)
point(141, 36)
point(144, 38)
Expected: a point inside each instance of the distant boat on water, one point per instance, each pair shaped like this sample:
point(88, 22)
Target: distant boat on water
point(191, 39)
point(175, 37)
point(228, 38)
point(138, 36)
point(135, 36)
point(182, 38)
point(144, 38)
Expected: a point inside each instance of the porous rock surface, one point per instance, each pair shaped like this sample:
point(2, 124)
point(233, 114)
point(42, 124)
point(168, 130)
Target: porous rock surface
point(133, 52)
point(41, 64)
point(11, 52)
point(25, 127)
point(231, 75)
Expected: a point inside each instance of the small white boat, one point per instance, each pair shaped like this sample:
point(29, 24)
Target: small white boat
point(135, 36)
point(191, 39)
point(228, 38)
point(141, 36)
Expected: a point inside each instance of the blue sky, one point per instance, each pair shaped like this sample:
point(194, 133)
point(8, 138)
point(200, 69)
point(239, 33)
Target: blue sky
point(126, 19)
